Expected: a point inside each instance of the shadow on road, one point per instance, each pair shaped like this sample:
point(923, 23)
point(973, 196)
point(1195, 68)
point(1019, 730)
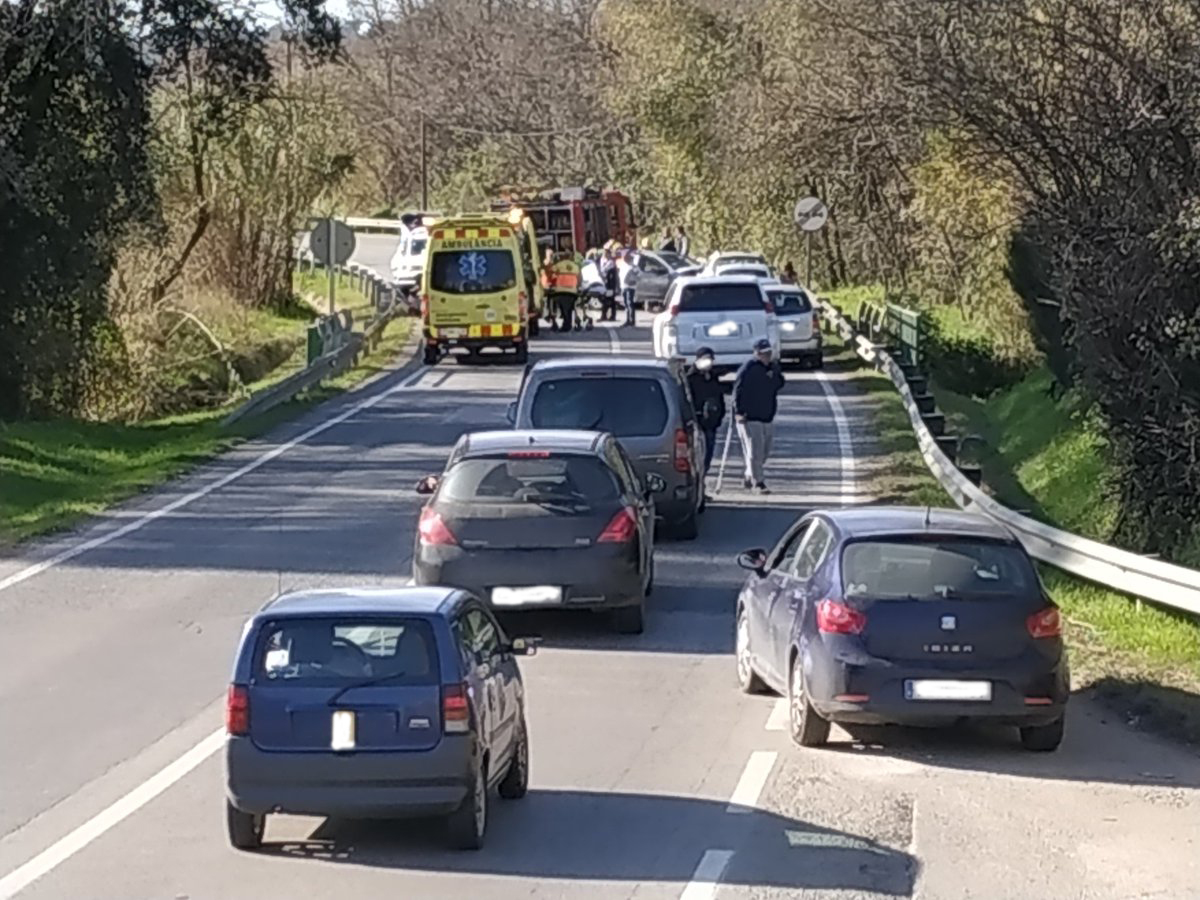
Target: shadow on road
point(592, 836)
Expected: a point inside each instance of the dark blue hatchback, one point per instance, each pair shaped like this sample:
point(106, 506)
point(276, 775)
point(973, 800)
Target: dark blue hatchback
point(376, 703)
point(895, 615)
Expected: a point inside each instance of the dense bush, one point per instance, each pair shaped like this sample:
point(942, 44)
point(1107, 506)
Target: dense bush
point(972, 365)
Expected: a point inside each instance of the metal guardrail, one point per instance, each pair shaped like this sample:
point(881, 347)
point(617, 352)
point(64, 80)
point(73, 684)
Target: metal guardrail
point(1165, 583)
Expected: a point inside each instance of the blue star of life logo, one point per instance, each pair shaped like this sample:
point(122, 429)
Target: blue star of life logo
point(472, 266)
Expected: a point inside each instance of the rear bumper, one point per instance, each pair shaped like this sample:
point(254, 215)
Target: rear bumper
point(796, 349)
point(1029, 676)
point(352, 785)
point(597, 577)
point(509, 342)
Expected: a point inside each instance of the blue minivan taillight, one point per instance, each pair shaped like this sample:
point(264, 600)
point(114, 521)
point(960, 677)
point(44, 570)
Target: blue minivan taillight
point(237, 710)
point(456, 709)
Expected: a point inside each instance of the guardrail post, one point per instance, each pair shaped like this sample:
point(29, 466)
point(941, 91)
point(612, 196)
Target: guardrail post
point(948, 444)
point(935, 422)
point(926, 403)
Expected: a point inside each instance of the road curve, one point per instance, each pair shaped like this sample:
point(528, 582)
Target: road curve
point(652, 776)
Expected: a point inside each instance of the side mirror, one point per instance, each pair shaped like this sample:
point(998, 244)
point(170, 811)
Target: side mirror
point(524, 646)
point(655, 484)
point(511, 413)
point(427, 485)
point(753, 561)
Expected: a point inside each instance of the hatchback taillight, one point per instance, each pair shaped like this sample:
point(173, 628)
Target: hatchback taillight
point(237, 710)
point(673, 310)
point(456, 709)
point(838, 618)
point(433, 530)
point(1045, 623)
point(621, 529)
point(683, 462)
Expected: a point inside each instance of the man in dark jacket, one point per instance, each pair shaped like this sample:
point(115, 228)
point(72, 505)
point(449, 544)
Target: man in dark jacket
point(708, 398)
point(755, 400)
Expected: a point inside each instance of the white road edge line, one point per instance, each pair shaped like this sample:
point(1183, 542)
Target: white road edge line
point(110, 536)
point(844, 441)
point(707, 875)
point(753, 780)
point(614, 340)
point(778, 719)
point(66, 847)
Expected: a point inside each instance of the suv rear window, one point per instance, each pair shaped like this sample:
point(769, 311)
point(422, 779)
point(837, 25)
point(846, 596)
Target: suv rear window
point(935, 570)
point(624, 407)
point(488, 480)
point(472, 271)
point(789, 303)
point(333, 651)
point(720, 297)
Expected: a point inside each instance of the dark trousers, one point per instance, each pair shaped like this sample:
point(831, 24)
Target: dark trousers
point(630, 309)
point(710, 447)
point(565, 305)
point(608, 308)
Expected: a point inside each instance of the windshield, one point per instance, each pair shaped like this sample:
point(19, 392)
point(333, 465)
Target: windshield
point(726, 261)
point(752, 271)
point(473, 271)
point(935, 569)
point(790, 303)
point(417, 246)
point(720, 297)
point(333, 651)
point(624, 407)
point(674, 260)
point(501, 480)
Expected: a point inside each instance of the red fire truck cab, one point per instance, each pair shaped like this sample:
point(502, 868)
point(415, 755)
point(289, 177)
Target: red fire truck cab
point(574, 219)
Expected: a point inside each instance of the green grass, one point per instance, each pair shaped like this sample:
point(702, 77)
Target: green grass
point(55, 473)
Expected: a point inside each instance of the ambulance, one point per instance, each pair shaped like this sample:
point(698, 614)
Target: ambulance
point(480, 290)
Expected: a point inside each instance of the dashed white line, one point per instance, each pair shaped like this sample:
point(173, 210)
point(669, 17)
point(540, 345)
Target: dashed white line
point(778, 719)
point(706, 878)
point(615, 340)
point(256, 463)
point(753, 780)
point(66, 847)
point(845, 443)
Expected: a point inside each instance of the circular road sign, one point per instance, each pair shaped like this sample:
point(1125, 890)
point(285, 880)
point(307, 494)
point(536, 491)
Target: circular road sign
point(343, 242)
point(811, 214)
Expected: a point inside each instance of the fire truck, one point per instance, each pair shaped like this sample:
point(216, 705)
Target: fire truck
point(574, 219)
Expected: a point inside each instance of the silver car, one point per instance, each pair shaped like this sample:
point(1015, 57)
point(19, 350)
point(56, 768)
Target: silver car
point(799, 330)
point(645, 404)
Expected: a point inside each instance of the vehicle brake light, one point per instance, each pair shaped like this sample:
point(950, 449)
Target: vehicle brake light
point(621, 529)
point(1045, 623)
point(682, 462)
point(529, 454)
point(456, 709)
point(237, 710)
point(838, 618)
point(433, 530)
point(673, 310)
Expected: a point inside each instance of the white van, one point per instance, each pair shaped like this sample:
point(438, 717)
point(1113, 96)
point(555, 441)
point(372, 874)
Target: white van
point(727, 313)
point(408, 262)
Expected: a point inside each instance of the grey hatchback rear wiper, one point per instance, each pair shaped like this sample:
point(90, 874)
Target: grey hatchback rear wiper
point(366, 682)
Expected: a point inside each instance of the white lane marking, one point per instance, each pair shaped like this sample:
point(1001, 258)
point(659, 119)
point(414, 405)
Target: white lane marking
point(778, 719)
point(844, 440)
point(110, 536)
point(707, 875)
point(753, 780)
point(614, 340)
point(64, 848)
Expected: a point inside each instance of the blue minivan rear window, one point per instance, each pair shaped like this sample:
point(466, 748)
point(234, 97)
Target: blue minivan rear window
point(330, 651)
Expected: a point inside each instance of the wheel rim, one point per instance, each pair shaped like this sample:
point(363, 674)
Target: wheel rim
point(480, 802)
point(799, 705)
point(743, 649)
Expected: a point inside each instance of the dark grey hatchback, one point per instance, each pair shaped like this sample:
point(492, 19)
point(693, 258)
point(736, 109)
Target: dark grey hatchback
point(374, 703)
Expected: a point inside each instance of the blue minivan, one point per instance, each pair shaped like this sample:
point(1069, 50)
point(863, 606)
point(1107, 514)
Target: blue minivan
point(375, 703)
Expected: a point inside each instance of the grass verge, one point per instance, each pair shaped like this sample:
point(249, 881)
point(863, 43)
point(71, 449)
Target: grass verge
point(55, 473)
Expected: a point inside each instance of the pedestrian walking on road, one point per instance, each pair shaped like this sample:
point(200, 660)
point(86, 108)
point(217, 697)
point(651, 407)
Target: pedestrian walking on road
point(612, 284)
point(708, 398)
point(627, 273)
point(682, 242)
point(755, 402)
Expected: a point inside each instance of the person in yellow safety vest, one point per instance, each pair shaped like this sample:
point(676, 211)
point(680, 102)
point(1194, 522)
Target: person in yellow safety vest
point(564, 277)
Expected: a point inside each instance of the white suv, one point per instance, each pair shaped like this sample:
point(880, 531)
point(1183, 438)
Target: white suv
point(726, 313)
point(719, 261)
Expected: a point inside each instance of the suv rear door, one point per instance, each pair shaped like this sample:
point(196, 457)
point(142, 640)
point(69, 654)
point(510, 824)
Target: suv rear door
point(726, 316)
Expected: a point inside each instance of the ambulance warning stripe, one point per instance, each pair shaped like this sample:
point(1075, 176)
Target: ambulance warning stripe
point(468, 233)
point(482, 331)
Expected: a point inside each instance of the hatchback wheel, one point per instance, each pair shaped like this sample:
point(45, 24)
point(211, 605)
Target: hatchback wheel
point(516, 780)
point(748, 679)
point(245, 829)
point(629, 619)
point(467, 825)
point(808, 729)
point(431, 355)
point(1043, 738)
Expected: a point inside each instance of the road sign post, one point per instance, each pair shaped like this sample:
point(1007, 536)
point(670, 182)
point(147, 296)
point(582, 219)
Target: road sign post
point(331, 243)
point(810, 216)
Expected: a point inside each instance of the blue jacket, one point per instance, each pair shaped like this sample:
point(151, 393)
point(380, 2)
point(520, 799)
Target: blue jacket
point(756, 390)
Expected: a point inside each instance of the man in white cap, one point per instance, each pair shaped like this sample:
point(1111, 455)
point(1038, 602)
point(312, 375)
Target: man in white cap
point(755, 402)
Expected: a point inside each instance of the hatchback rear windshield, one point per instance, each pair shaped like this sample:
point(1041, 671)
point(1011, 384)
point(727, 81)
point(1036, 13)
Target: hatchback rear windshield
point(625, 407)
point(498, 480)
point(720, 298)
point(934, 570)
point(330, 651)
point(417, 246)
point(473, 271)
point(789, 303)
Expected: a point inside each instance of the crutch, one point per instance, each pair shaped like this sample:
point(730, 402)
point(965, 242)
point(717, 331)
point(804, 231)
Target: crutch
point(724, 455)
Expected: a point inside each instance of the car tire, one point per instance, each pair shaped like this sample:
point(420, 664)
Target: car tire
point(535, 327)
point(467, 826)
point(817, 362)
point(516, 780)
point(522, 354)
point(686, 529)
point(245, 829)
point(807, 728)
point(747, 678)
point(1043, 738)
point(630, 619)
point(431, 355)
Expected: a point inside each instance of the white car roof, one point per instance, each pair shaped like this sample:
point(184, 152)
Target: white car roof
point(688, 280)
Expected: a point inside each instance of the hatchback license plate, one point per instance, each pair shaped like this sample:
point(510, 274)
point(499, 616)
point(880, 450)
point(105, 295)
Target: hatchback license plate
point(943, 689)
point(504, 596)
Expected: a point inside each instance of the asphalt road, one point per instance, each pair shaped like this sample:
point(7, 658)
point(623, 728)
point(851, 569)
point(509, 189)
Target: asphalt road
point(652, 777)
